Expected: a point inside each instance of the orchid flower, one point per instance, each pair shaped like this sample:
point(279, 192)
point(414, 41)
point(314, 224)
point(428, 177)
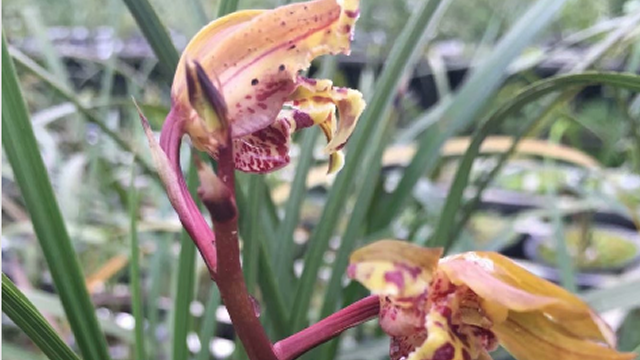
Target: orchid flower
point(254, 58)
point(463, 306)
point(239, 77)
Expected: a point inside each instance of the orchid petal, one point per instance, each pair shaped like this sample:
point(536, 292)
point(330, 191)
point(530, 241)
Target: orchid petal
point(533, 336)
point(394, 268)
point(267, 149)
point(320, 98)
point(257, 56)
point(502, 283)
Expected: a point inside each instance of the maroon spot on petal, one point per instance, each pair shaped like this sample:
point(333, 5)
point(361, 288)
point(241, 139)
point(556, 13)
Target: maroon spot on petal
point(262, 106)
point(302, 119)
point(292, 47)
point(347, 28)
point(248, 97)
point(322, 99)
point(251, 110)
point(439, 324)
point(238, 105)
point(465, 355)
point(352, 14)
point(394, 277)
point(414, 271)
point(273, 88)
point(283, 23)
point(444, 352)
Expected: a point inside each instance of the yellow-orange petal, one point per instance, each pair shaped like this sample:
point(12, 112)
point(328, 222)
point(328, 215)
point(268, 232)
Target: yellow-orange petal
point(501, 282)
point(533, 336)
point(395, 268)
point(320, 97)
point(257, 55)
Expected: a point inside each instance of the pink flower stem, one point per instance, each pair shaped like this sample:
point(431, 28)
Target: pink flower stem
point(328, 328)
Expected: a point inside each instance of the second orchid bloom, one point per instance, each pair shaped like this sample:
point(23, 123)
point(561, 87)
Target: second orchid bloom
point(463, 306)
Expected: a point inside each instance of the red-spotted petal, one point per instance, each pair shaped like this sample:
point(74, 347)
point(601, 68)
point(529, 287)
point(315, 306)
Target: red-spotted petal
point(394, 268)
point(257, 55)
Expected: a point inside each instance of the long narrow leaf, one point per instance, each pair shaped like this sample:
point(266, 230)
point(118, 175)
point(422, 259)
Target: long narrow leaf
point(134, 262)
point(448, 224)
point(31, 66)
point(460, 112)
point(157, 36)
point(31, 177)
point(22, 312)
point(208, 329)
point(401, 57)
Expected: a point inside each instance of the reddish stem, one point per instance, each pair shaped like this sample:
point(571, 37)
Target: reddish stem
point(328, 328)
point(230, 279)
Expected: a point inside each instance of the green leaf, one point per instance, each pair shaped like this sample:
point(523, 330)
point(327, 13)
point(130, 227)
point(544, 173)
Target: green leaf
point(267, 280)
point(402, 56)
point(61, 89)
point(208, 329)
point(227, 7)
point(31, 177)
point(284, 256)
point(629, 331)
point(470, 100)
point(22, 312)
point(157, 36)
point(134, 264)
point(448, 226)
point(185, 284)
point(624, 295)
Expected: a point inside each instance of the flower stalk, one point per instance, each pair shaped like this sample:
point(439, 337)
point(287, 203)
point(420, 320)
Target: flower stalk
point(325, 330)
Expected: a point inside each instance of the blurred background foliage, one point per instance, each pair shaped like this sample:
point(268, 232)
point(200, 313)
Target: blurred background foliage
point(557, 186)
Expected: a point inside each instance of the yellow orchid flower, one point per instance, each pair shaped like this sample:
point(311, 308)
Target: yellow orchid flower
point(253, 58)
point(461, 307)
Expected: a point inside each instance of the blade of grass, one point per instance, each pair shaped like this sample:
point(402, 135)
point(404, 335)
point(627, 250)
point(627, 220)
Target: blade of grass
point(227, 7)
point(267, 280)
point(460, 112)
point(449, 224)
point(208, 329)
point(624, 295)
point(53, 306)
point(136, 291)
point(251, 241)
point(31, 177)
point(185, 284)
point(284, 257)
point(157, 36)
point(31, 66)
point(563, 260)
point(14, 352)
point(158, 279)
point(22, 312)
point(356, 220)
point(402, 56)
